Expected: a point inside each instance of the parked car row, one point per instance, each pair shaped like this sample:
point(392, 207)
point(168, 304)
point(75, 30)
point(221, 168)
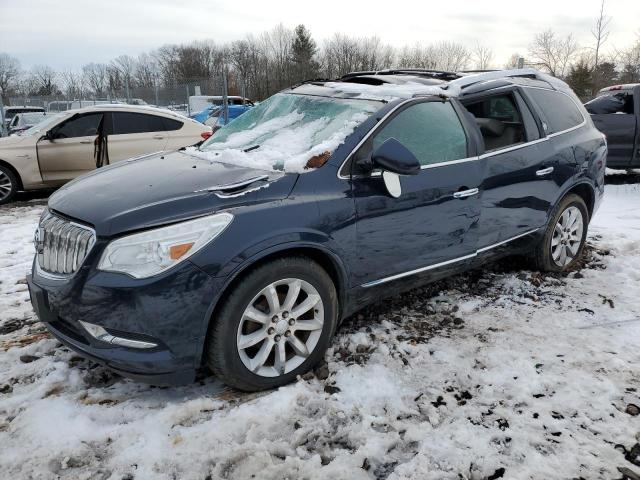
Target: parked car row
point(74, 142)
point(245, 254)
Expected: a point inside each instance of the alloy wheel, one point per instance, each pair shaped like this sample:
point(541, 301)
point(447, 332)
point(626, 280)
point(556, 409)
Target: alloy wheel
point(280, 327)
point(6, 187)
point(567, 236)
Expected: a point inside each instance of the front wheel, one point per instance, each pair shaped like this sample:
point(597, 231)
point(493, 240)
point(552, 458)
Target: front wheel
point(564, 239)
point(276, 324)
point(8, 185)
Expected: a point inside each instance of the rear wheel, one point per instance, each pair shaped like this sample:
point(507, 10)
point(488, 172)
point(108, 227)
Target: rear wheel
point(563, 241)
point(275, 325)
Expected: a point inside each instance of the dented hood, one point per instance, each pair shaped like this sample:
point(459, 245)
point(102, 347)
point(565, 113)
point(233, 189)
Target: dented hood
point(164, 188)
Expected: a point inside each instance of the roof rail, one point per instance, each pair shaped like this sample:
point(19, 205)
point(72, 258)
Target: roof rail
point(422, 72)
point(471, 78)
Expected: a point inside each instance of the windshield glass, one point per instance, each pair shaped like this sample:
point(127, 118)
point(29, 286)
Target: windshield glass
point(44, 126)
point(33, 118)
point(286, 131)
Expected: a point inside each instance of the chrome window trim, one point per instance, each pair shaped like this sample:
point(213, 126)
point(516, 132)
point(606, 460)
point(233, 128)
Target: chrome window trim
point(468, 159)
point(446, 262)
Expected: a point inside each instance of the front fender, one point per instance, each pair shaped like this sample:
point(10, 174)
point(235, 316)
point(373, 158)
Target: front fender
point(306, 241)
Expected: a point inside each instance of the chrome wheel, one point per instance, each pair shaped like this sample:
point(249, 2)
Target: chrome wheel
point(567, 236)
point(6, 187)
point(280, 327)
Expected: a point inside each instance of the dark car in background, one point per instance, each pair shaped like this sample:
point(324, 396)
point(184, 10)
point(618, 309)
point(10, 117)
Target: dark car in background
point(245, 255)
point(616, 113)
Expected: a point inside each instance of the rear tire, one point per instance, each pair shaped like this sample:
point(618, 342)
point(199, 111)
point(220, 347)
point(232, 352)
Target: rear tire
point(274, 325)
point(8, 185)
point(564, 238)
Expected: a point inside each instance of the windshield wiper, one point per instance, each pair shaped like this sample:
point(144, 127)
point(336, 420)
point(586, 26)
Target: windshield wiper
point(255, 147)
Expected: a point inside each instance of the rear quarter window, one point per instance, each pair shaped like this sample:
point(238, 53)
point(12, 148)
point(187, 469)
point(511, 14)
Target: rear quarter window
point(171, 125)
point(559, 110)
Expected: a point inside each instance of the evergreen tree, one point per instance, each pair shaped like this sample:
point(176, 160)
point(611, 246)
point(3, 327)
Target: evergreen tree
point(580, 79)
point(303, 52)
point(604, 75)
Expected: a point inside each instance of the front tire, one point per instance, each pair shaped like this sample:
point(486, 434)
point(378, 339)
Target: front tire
point(275, 325)
point(564, 238)
point(8, 185)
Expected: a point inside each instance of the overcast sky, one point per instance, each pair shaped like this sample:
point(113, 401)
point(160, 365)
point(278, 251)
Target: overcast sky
point(68, 33)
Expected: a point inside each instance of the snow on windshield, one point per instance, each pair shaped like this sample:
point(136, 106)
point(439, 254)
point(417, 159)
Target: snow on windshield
point(286, 132)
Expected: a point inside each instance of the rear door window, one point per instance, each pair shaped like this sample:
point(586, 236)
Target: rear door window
point(559, 110)
point(81, 126)
point(129, 122)
point(499, 120)
point(430, 130)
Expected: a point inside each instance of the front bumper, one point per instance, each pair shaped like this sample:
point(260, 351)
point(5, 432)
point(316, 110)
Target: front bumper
point(171, 310)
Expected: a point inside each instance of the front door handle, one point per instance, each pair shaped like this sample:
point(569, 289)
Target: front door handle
point(544, 171)
point(86, 142)
point(466, 193)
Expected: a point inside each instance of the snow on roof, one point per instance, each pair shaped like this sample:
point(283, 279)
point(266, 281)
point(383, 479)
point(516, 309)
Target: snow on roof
point(360, 91)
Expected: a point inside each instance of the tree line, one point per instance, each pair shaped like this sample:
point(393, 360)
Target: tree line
point(260, 65)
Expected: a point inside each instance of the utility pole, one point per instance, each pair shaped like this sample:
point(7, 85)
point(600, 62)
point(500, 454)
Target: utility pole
point(126, 85)
point(225, 99)
point(155, 88)
point(3, 126)
point(188, 106)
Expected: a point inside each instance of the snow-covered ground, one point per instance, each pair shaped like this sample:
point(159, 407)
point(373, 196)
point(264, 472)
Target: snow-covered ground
point(500, 373)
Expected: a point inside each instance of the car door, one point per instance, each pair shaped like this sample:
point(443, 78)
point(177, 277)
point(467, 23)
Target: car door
point(614, 115)
point(70, 150)
point(430, 225)
point(133, 134)
point(518, 185)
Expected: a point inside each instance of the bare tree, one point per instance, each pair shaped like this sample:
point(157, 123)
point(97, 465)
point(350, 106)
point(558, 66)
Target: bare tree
point(72, 84)
point(44, 80)
point(126, 67)
point(9, 73)
point(146, 71)
point(600, 33)
point(96, 78)
point(553, 53)
point(482, 56)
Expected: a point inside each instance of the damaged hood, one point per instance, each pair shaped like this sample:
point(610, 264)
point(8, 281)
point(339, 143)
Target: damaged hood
point(164, 188)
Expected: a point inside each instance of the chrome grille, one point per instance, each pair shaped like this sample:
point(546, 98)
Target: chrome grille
point(61, 245)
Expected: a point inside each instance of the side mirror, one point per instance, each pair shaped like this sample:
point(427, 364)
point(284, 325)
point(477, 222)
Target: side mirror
point(394, 159)
point(48, 135)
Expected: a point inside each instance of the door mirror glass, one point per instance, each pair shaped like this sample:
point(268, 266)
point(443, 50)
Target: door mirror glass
point(394, 157)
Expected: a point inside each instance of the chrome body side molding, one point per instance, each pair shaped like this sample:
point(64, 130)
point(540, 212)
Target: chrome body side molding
point(447, 262)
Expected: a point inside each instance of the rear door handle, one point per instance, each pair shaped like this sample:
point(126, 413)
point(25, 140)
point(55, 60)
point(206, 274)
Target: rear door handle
point(86, 141)
point(159, 137)
point(466, 193)
point(544, 171)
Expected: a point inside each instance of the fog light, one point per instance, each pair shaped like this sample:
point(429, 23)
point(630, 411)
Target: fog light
point(99, 333)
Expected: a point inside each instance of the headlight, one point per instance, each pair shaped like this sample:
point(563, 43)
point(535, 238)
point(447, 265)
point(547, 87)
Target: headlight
point(148, 253)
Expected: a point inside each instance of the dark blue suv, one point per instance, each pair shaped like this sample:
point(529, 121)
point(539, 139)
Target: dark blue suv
point(245, 254)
